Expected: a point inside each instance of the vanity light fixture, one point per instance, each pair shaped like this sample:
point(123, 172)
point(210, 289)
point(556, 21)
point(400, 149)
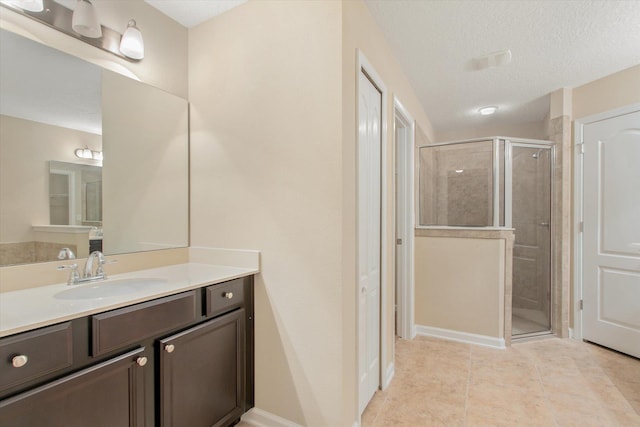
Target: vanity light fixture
point(86, 153)
point(487, 111)
point(132, 44)
point(29, 5)
point(82, 22)
point(85, 20)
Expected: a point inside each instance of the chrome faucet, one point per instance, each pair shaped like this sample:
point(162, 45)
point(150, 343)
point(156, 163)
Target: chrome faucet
point(89, 275)
point(66, 253)
point(88, 267)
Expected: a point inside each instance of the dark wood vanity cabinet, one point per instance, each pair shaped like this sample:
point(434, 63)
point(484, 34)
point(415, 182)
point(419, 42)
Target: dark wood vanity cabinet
point(108, 394)
point(180, 360)
point(202, 373)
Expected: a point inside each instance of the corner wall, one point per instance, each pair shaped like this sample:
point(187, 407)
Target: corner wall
point(360, 31)
point(265, 92)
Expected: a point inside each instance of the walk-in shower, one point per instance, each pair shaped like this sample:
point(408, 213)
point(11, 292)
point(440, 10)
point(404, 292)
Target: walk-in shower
point(498, 182)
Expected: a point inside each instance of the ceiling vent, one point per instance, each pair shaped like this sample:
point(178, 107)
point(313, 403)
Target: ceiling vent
point(495, 59)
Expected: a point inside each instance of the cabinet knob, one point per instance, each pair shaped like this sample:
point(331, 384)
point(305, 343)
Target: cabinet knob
point(19, 361)
point(141, 361)
point(227, 295)
point(169, 348)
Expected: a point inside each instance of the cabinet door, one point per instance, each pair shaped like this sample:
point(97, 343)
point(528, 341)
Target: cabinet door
point(110, 394)
point(202, 374)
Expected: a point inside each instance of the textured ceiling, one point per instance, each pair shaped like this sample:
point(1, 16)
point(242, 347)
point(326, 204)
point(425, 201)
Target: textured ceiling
point(554, 44)
point(190, 13)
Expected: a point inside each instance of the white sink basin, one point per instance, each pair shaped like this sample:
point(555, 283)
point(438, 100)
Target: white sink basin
point(109, 288)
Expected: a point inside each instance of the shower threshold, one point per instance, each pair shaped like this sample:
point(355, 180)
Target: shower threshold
point(532, 336)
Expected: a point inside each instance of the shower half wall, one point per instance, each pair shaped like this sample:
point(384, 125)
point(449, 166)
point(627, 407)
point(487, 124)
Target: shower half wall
point(498, 182)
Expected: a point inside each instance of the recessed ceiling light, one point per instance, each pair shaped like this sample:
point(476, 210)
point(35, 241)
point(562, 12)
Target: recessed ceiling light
point(486, 111)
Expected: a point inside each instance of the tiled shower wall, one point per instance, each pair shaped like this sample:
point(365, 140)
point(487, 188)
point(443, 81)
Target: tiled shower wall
point(560, 134)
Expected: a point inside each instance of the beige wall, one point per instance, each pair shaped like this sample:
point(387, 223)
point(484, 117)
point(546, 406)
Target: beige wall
point(265, 96)
point(530, 130)
point(272, 88)
point(165, 62)
point(459, 284)
point(608, 93)
point(25, 150)
point(146, 171)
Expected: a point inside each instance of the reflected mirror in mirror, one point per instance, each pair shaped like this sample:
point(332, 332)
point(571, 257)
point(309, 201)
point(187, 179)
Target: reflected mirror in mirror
point(51, 104)
point(75, 194)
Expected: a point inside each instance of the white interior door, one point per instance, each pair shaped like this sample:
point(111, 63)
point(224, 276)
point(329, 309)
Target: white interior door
point(611, 241)
point(369, 146)
point(401, 238)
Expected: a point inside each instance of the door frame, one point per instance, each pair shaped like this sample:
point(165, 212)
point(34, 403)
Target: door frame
point(364, 66)
point(578, 189)
point(72, 199)
point(405, 290)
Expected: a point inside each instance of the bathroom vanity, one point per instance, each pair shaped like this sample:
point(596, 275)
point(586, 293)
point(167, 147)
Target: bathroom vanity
point(176, 352)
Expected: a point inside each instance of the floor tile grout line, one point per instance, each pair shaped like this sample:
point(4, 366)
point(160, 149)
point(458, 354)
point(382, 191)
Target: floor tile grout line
point(466, 394)
point(547, 398)
point(611, 381)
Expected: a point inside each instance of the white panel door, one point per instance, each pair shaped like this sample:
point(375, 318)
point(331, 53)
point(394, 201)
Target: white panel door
point(611, 249)
point(369, 145)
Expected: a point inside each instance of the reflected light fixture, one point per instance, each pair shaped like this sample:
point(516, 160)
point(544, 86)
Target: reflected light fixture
point(85, 20)
point(30, 5)
point(86, 153)
point(487, 111)
point(132, 44)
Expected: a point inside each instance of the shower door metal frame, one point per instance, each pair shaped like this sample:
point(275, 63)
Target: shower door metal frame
point(509, 143)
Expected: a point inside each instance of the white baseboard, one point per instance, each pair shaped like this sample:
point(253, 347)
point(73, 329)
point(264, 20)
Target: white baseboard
point(259, 418)
point(388, 376)
point(465, 337)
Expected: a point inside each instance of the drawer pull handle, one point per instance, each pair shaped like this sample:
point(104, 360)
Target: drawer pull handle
point(141, 361)
point(227, 295)
point(169, 348)
point(19, 361)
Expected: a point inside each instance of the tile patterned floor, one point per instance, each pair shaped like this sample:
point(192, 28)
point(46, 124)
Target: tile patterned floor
point(550, 382)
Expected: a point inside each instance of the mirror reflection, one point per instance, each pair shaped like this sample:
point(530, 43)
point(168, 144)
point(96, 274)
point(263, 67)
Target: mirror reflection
point(58, 115)
point(75, 194)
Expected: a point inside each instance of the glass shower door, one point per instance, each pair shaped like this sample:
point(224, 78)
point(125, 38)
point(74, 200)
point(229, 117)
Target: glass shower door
point(531, 218)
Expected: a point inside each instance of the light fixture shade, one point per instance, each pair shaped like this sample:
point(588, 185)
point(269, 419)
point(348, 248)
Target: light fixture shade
point(85, 20)
point(487, 111)
point(132, 45)
point(84, 153)
point(30, 5)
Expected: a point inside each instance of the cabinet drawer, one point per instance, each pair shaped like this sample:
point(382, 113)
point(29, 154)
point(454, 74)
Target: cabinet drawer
point(224, 297)
point(40, 352)
point(130, 325)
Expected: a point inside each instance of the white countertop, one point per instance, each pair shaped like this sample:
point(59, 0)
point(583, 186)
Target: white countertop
point(42, 306)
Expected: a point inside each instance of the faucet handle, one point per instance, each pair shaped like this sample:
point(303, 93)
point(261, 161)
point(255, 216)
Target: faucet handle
point(74, 276)
point(101, 262)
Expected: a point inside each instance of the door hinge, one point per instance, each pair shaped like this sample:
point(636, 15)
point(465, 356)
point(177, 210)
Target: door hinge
point(581, 304)
point(581, 227)
point(581, 147)
point(398, 241)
